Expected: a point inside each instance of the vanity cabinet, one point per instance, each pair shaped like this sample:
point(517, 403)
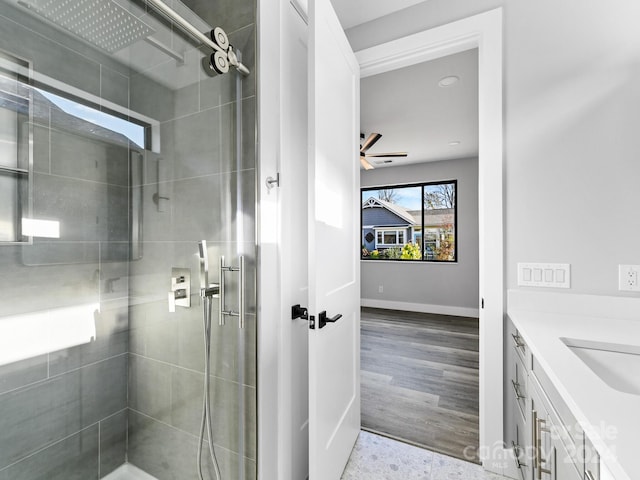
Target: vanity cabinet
point(546, 439)
point(552, 449)
point(591, 461)
point(517, 431)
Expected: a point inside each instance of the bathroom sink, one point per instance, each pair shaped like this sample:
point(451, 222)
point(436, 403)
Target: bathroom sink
point(616, 364)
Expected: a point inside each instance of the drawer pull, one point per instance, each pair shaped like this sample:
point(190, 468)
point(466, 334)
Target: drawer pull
point(516, 390)
point(538, 429)
point(517, 340)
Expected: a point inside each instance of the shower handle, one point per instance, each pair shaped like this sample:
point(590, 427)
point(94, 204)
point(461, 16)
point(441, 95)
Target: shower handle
point(222, 312)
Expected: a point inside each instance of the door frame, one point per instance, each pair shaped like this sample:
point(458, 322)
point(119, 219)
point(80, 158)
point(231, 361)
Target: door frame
point(484, 32)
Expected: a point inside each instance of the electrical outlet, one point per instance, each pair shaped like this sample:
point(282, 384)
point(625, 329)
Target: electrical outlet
point(628, 278)
point(380, 289)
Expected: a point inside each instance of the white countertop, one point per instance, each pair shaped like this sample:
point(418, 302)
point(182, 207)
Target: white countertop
point(610, 418)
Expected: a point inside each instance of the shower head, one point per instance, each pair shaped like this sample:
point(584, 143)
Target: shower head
point(204, 265)
point(102, 23)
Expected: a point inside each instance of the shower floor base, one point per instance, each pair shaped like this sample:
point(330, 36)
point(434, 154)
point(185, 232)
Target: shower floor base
point(128, 472)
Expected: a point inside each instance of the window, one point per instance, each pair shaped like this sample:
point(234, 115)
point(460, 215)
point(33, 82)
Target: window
point(35, 113)
point(410, 222)
point(389, 238)
point(15, 159)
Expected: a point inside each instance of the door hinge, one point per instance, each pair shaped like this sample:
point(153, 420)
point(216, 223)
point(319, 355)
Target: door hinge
point(482, 304)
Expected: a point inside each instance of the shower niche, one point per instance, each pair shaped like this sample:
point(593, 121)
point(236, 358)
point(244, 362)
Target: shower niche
point(120, 150)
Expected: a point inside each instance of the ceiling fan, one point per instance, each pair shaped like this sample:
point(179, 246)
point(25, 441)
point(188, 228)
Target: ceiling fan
point(368, 143)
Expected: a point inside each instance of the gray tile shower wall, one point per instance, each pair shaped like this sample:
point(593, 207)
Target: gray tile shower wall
point(198, 169)
point(128, 382)
point(64, 302)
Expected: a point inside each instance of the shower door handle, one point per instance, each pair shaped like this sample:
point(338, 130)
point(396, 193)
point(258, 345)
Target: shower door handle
point(241, 296)
point(222, 311)
point(222, 290)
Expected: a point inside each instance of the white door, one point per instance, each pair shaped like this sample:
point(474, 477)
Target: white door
point(334, 254)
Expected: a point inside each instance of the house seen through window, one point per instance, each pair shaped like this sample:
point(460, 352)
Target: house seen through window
point(410, 222)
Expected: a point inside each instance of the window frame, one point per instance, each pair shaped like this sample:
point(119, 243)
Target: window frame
point(12, 65)
point(421, 232)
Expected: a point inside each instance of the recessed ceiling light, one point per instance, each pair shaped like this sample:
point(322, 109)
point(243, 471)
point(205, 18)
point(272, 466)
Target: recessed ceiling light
point(448, 81)
point(454, 143)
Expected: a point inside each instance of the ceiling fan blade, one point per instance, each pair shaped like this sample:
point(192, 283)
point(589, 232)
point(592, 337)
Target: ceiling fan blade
point(368, 143)
point(366, 165)
point(390, 154)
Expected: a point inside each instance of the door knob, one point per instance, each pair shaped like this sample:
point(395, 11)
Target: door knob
point(301, 312)
point(323, 319)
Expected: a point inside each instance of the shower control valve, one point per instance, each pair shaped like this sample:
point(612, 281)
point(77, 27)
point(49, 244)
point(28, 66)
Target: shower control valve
point(180, 294)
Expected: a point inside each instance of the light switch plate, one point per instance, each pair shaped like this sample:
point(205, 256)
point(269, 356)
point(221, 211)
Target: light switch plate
point(554, 275)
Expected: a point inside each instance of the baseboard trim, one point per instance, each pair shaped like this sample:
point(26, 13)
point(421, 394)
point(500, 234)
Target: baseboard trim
point(421, 307)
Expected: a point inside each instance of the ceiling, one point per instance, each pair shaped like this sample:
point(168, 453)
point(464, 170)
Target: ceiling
point(355, 12)
point(407, 106)
point(416, 115)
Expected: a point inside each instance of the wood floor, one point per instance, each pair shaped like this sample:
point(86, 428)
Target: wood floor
point(419, 379)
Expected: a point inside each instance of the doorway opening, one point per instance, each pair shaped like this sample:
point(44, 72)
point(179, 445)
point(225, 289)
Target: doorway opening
point(419, 262)
point(484, 32)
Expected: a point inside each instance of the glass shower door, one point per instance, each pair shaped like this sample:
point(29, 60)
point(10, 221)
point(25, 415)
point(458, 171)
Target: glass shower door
point(120, 150)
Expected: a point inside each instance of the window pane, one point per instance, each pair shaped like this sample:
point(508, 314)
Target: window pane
point(389, 238)
point(12, 186)
point(416, 222)
point(8, 132)
point(440, 222)
point(395, 213)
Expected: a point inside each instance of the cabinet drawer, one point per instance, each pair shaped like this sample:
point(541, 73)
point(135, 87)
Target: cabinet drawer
point(591, 461)
point(563, 467)
point(570, 437)
point(519, 386)
point(519, 345)
point(521, 449)
point(559, 406)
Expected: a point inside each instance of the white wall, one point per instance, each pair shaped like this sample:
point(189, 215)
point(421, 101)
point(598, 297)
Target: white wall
point(430, 287)
point(572, 124)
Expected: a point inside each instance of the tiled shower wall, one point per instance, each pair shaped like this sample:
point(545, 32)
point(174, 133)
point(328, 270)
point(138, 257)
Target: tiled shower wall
point(209, 184)
point(135, 392)
point(63, 413)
